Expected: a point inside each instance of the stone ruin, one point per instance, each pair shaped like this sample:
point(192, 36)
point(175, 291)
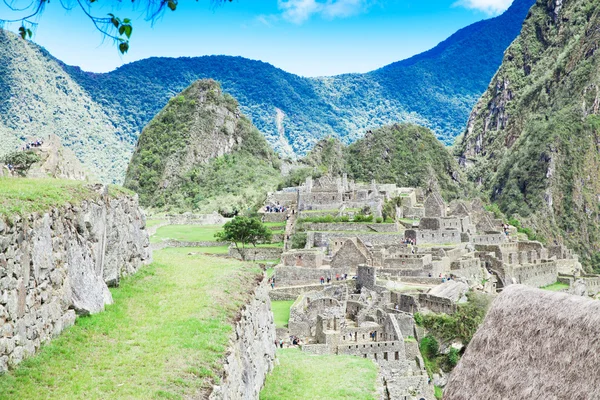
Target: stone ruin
point(425, 261)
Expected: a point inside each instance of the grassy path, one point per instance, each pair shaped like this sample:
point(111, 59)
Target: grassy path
point(300, 376)
point(164, 337)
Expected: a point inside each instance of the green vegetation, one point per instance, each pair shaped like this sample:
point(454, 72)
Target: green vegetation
point(180, 145)
point(23, 196)
point(461, 325)
point(556, 287)
point(539, 161)
point(187, 233)
point(21, 160)
point(299, 240)
point(281, 312)
point(165, 336)
point(438, 393)
point(153, 222)
point(300, 376)
point(242, 231)
point(434, 360)
point(407, 155)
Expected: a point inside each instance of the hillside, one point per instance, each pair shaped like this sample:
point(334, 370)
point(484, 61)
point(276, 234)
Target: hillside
point(437, 88)
point(532, 140)
point(407, 155)
point(404, 154)
point(200, 153)
point(37, 98)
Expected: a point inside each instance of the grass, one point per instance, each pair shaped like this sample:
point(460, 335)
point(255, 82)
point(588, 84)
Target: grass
point(281, 312)
point(556, 287)
point(24, 196)
point(301, 376)
point(187, 233)
point(153, 222)
point(165, 336)
point(438, 393)
point(206, 250)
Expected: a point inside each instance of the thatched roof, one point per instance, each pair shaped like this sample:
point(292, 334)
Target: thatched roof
point(533, 344)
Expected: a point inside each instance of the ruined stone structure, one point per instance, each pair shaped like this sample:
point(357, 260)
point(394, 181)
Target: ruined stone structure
point(56, 264)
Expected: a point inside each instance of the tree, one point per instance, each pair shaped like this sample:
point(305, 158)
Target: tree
point(111, 26)
point(243, 231)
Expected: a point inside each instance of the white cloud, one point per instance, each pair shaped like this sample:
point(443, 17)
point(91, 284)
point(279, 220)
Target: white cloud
point(491, 7)
point(299, 11)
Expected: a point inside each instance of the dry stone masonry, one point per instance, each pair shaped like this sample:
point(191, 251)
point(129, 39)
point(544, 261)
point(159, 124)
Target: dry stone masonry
point(60, 263)
point(358, 284)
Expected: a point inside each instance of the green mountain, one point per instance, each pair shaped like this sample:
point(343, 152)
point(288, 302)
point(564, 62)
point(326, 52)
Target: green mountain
point(201, 153)
point(436, 89)
point(533, 139)
point(38, 98)
point(404, 154)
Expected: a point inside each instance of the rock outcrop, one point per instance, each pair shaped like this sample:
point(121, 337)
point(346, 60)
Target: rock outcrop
point(532, 140)
point(57, 264)
point(252, 352)
point(56, 161)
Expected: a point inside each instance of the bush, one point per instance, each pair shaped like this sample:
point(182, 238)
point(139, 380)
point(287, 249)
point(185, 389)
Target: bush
point(379, 220)
point(363, 218)
point(298, 240)
point(429, 347)
point(21, 160)
point(452, 358)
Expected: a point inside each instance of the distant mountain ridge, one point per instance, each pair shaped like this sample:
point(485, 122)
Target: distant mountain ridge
point(437, 88)
point(100, 116)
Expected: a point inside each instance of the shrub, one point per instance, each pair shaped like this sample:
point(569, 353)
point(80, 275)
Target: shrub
point(298, 240)
point(21, 160)
point(452, 358)
point(379, 220)
point(429, 347)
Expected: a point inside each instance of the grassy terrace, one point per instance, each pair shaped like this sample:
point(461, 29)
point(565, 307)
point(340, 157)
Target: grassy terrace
point(24, 196)
point(153, 222)
point(300, 376)
point(556, 287)
point(187, 233)
point(281, 312)
point(164, 337)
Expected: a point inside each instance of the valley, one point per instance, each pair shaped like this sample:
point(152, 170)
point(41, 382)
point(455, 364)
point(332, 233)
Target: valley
point(217, 228)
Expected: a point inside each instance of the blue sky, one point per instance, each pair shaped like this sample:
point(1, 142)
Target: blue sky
point(306, 37)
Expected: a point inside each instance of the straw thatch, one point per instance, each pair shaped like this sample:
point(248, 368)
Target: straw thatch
point(533, 344)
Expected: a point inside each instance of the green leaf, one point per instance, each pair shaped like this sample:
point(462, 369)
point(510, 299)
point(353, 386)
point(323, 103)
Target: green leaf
point(172, 4)
point(22, 32)
point(127, 29)
point(123, 47)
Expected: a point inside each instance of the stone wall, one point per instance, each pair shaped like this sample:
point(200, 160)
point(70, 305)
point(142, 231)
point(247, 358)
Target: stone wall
point(322, 239)
point(196, 219)
point(251, 353)
point(55, 264)
point(350, 226)
point(178, 243)
point(536, 275)
point(257, 253)
point(438, 236)
point(292, 276)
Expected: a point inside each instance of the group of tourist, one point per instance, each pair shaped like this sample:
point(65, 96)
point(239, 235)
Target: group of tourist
point(31, 145)
point(275, 208)
point(373, 335)
point(410, 241)
point(338, 277)
point(294, 341)
point(272, 282)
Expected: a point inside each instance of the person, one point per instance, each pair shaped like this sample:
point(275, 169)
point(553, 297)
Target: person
point(322, 280)
point(328, 279)
point(345, 276)
point(273, 284)
point(281, 343)
point(396, 307)
point(337, 277)
point(429, 274)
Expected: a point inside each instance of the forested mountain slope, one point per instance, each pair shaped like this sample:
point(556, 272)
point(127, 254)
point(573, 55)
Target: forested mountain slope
point(437, 88)
point(38, 98)
point(533, 140)
point(200, 153)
